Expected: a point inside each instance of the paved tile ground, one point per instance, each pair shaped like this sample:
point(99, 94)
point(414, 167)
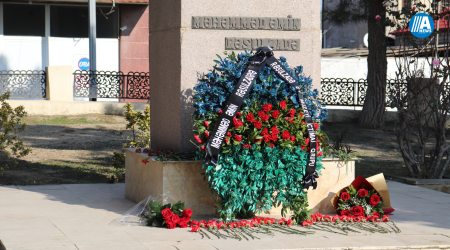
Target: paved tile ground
point(78, 216)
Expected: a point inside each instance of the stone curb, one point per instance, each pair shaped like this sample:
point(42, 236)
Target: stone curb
point(414, 181)
point(416, 247)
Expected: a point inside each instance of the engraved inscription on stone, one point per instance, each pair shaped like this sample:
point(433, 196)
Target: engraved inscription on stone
point(245, 23)
point(238, 43)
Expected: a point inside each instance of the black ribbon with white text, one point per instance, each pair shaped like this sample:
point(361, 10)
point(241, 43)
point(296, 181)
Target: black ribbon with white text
point(263, 56)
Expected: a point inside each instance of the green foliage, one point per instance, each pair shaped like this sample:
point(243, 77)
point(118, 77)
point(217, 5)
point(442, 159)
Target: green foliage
point(11, 146)
point(338, 149)
point(139, 124)
point(118, 160)
point(245, 213)
point(256, 179)
point(154, 218)
point(299, 209)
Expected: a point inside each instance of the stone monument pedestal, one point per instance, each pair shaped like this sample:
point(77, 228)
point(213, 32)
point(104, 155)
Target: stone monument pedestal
point(182, 181)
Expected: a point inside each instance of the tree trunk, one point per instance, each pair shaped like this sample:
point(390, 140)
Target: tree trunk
point(372, 115)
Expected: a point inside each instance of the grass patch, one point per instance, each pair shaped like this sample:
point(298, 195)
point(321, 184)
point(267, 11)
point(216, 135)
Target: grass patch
point(75, 119)
point(368, 167)
point(61, 172)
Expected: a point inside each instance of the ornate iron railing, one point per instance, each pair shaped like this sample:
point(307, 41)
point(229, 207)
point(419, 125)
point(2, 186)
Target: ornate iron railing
point(111, 84)
point(348, 92)
point(23, 83)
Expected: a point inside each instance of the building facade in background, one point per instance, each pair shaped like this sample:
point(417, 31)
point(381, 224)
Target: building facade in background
point(350, 35)
point(34, 35)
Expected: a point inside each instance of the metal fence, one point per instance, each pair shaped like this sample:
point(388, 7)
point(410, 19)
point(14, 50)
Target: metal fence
point(348, 92)
point(111, 84)
point(23, 83)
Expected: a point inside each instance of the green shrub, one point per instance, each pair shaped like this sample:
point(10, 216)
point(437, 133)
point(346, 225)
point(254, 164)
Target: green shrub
point(118, 160)
point(139, 124)
point(299, 208)
point(11, 146)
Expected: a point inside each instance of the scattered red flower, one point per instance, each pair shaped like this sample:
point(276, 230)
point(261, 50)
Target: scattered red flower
point(316, 126)
point(345, 196)
point(285, 135)
point(265, 131)
point(346, 212)
point(374, 199)
point(292, 112)
point(363, 192)
point(237, 123)
point(357, 211)
point(275, 114)
point(198, 139)
point(274, 137)
point(250, 118)
point(267, 107)
point(166, 213)
point(187, 212)
point(274, 130)
point(258, 124)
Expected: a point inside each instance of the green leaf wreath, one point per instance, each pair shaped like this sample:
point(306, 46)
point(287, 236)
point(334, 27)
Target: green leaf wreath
point(264, 155)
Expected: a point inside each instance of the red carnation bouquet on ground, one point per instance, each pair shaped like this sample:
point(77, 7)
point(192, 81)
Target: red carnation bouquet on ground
point(364, 197)
point(167, 215)
point(173, 220)
point(361, 202)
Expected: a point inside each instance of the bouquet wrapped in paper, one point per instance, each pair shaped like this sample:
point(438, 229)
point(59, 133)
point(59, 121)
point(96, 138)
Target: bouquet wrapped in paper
point(364, 197)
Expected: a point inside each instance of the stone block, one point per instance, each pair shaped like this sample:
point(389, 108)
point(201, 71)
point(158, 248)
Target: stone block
point(336, 175)
point(58, 83)
point(174, 181)
point(182, 180)
point(179, 54)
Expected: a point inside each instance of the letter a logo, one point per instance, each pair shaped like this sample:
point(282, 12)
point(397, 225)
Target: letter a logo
point(421, 25)
point(424, 24)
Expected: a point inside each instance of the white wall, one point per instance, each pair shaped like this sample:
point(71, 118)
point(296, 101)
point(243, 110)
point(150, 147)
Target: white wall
point(356, 68)
point(63, 51)
point(67, 51)
point(22, 53)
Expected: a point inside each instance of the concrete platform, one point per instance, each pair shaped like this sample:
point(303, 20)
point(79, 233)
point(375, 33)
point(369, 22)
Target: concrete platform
point(78, 217)
point(183, 180)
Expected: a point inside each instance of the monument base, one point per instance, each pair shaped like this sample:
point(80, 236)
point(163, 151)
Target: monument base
point(182, 181)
